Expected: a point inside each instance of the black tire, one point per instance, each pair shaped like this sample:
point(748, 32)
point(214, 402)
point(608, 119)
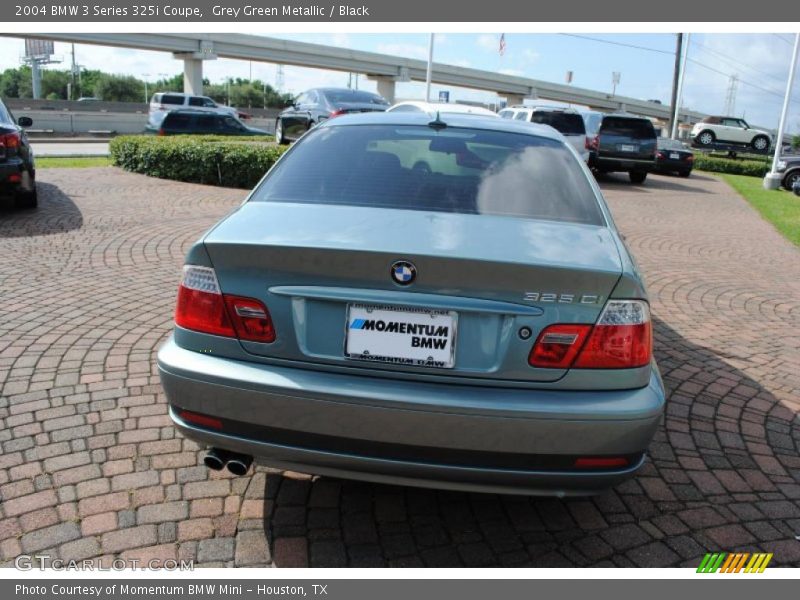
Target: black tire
point(27, 200)
point(637, 176)
point(685, 173)
point(760, 143)
point(280, 137)
point(706, 138)
point(792, 177)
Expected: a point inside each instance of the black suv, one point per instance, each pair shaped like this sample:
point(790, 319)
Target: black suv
point(789, 168)
point(178, 122)
point(624, 143)
point(17, 170)
point(319, 104)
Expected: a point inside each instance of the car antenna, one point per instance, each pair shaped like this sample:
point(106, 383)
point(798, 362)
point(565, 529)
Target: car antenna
point(437, 123)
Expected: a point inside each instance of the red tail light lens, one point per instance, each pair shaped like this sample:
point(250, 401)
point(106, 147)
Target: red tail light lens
point(161, 131)
point(558, 345)
point(251, 319)
point(11, 140)
point(203, 307)
point(660, 155)
point(199, 419)
point(593, 143)
point(621, 339)
point(336, 113)
point(690, 158)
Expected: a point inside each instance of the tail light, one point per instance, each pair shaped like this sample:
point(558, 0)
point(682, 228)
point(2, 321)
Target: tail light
point(203, 307)
point(600, 462)
point(621, 339)
point(592, 143)
point(690, 158)
point(11, 142)
point(660, 155)
point(337, 113)
point(161, 131)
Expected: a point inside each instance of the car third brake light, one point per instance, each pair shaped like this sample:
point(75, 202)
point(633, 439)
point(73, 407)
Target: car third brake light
point(203, 307)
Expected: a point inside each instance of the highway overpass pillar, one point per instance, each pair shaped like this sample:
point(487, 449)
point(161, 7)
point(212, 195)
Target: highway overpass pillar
point(386, 87)
point(193, 67)
point(514, 99)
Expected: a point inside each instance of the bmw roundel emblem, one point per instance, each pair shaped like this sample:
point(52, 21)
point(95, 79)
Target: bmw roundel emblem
point(403, 272)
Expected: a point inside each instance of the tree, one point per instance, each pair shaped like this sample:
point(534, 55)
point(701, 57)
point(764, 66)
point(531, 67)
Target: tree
point(119, 88)
point(796, 142)
point(10, 81)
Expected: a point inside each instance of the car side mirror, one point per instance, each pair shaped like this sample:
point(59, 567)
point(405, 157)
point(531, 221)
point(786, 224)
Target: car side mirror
point(24, 121)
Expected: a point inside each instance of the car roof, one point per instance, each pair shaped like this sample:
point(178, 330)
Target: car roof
point(460, 120)
point(547, 108)
point(446, 107)
point(336, 89)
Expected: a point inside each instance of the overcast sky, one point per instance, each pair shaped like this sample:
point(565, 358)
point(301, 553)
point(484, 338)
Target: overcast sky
point(645, 62)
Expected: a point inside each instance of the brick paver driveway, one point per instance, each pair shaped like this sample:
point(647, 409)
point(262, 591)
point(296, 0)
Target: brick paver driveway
point(90, 466)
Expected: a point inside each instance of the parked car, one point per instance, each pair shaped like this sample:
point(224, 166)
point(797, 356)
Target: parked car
point(317, 105)
point(162, 103)
point(17, 167)
point(566, 121)
point(624, 143)
point(673, 157)
point(444, 108)
point(476, 325)
point(178, 122)
point(730, 130)
point(789, 167)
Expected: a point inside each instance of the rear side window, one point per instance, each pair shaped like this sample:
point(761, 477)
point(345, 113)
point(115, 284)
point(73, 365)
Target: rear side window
point(639, 129)
point(178, 121)
point(171, 99)
point(506, 114)
point(457, 170)
point(566, 123)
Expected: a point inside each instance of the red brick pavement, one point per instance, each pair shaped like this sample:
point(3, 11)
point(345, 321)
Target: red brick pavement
point(91, 468)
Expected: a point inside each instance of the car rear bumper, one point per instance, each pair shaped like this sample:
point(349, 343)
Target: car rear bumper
point(503, 440)
point(621, 164)
point(12, 175)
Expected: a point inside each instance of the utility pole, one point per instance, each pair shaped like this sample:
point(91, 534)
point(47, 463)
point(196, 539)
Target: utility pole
point(773, 178)
point(676, 77)
point(677, 108)
point(429, 72)
point(72, 74)
point(616, 76)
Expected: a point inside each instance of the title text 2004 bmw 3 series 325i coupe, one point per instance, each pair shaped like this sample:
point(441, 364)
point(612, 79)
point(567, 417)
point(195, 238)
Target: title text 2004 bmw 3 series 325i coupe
point(441, 302)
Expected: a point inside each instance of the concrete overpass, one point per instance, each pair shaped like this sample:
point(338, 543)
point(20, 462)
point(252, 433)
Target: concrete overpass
point(386, 70)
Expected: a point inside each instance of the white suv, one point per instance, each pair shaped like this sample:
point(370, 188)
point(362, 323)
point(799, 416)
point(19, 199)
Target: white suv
point(730, 130)
point(163, 102)
point(566, 121)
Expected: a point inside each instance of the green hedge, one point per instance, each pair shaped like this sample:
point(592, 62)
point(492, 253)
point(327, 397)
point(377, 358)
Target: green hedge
point(215, 160)
point(732, 166)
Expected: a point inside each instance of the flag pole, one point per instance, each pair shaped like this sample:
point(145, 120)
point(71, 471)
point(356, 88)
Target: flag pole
point(773, 179)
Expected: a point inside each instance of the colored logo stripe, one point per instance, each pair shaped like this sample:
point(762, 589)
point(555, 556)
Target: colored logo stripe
point(734, 563)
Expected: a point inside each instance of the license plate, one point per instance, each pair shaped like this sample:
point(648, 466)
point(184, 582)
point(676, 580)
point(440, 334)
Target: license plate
point(628, 148)
point(674, 156)
point(401, 336)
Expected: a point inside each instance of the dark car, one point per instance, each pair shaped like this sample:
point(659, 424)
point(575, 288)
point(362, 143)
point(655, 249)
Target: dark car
point(673, 157)
point(624, 143)
point(179, 122)
point(17, 170)
point(319, 104)
point(789, 168)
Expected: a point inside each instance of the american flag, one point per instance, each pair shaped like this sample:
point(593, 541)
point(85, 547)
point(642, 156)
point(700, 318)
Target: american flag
point(502, 44)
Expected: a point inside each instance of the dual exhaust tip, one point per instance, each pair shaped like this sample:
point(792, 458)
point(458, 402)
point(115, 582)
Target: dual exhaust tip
point(217, 459)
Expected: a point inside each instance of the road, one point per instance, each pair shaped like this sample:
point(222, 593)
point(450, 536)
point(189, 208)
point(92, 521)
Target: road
point(59, 148)
point(91, 467)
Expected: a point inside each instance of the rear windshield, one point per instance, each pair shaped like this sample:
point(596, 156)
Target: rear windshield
point(457, 170)
point(354, 96)
point(566, 123)
point(640, 129)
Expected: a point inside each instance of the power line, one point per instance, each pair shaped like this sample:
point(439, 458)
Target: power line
point(780, 37)
point(735, 63)
point(744, 81)
point(612, 43)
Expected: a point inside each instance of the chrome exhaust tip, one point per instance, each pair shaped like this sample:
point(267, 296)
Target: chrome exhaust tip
point(216, 459)
point(239, 464)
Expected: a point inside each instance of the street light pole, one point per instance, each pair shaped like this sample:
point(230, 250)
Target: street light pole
point(679, 102)
point(773, 179)
point(430, 70)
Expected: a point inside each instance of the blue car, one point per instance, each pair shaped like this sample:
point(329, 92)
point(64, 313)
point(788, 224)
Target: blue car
point(439, 301)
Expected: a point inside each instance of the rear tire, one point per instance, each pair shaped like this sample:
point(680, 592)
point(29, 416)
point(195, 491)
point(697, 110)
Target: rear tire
point(706, 138)
point(637, 176)
point(279, 135)
point(685, 173)
point(760, 143)
point(27, 200)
